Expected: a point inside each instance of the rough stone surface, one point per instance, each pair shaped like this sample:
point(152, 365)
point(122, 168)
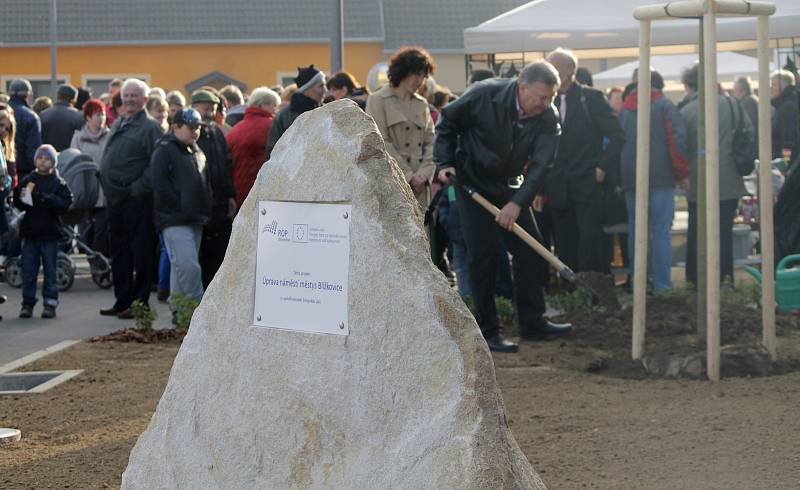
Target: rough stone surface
point(407, 400)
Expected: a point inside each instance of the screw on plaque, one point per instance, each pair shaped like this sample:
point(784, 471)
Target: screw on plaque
point(258, 318)
point(341, 326)
point(263, 212)
point(345, 215)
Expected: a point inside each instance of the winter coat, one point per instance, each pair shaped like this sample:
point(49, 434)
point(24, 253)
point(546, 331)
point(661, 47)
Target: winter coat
point(589, 123)
point(28, 138)
point(668, 149)
point(407, 133)
point(299, 104)
point(481, 135)
point(126, 159)
point(730, 182)
point(248, 142)
point(59, 123)
point(94, 146)
point(51, 198)
point(750, 105)
point(218, 174)
point(180, 189)
point(786, 123)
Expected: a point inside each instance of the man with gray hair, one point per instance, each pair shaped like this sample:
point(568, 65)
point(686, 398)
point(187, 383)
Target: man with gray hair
point(786, 120)
point(246, 140)
point(586, 166)
point(500, 138)
point(744, 94)
point(29, 128)
point(125, 177)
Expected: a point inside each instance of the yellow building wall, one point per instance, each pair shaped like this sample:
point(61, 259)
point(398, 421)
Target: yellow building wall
point(173, 66)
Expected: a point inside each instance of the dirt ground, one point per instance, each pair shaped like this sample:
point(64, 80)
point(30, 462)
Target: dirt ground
point(579, 429)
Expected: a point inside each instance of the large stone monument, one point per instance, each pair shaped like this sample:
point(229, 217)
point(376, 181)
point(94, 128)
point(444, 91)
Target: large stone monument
point(399, 394)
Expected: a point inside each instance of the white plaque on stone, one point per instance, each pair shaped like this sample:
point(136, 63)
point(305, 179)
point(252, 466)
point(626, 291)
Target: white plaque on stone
point(302, 264)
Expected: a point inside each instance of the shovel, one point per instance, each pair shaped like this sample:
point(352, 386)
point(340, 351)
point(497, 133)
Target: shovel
point(596, 283)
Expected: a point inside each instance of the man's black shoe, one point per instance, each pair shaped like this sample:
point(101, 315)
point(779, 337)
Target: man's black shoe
point(109, 311)
point(547, 330)
point(498, 343)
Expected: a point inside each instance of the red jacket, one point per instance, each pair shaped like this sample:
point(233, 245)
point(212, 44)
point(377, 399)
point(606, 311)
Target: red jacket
point(248, 144)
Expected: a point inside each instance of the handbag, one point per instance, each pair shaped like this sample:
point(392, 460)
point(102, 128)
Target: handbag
point(744, 151)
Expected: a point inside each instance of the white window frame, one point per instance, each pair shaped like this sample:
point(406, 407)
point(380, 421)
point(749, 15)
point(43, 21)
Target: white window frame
point(285, 74)
point(87, 77)
point(4, 79)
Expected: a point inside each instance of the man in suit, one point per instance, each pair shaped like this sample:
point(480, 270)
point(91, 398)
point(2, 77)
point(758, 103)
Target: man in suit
point(587, 157)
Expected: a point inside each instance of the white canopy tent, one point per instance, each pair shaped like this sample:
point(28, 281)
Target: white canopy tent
point(729, 66)
point(543, 25)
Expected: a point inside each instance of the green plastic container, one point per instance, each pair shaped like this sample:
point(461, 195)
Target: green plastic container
point(787, 283)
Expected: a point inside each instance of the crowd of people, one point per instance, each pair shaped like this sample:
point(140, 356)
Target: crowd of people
point(554, 154)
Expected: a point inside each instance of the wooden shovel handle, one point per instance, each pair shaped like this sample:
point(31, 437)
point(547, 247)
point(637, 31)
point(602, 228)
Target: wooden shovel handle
point(522, 234)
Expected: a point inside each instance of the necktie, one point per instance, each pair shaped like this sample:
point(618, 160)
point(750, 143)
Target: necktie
point(562, 107)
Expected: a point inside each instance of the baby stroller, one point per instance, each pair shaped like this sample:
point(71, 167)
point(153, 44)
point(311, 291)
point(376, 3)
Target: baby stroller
point(79, 172)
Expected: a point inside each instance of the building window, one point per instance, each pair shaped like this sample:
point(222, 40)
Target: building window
point(286, 78)
point(97, 83)
point(39, 83)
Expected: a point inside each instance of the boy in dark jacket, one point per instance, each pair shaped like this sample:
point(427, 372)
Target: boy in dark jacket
point(182, 201)
point(44, 197)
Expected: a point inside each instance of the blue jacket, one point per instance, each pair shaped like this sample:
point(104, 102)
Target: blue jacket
point(668, 146)
point(29, 135)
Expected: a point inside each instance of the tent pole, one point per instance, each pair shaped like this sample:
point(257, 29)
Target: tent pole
point(765, 191)
point(712, 191)
point(642, 192)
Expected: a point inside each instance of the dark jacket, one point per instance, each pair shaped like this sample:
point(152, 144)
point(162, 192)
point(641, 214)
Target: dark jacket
point(589, 121)
point(668, 149)
point(786, 123)
point(299, 104)
point(480, 135)
point(59, 123)
point(126, 159)
point(28, 138)
point(218, 174)
point(750, 105)
point(730, 113)
point(51, 198)
point(180, 192)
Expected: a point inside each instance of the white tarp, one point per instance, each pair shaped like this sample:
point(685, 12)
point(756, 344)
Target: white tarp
point(729, 66)
point(543, 25)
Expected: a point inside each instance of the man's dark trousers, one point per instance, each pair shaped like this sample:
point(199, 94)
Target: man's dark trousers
point(482, 236)
point(132, 236)
point(212, 251)
point(579, 236)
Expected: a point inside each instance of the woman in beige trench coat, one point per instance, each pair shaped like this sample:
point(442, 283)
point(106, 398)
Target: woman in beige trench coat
point(404, 119)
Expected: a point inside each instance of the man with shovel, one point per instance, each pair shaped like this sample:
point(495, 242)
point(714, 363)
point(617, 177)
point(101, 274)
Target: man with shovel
point(499, 139)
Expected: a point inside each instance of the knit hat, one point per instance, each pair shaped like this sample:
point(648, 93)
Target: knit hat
point(201, 95)
point(307, 77)
point(67, 91)
point(20, 87)
point(46, 151)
